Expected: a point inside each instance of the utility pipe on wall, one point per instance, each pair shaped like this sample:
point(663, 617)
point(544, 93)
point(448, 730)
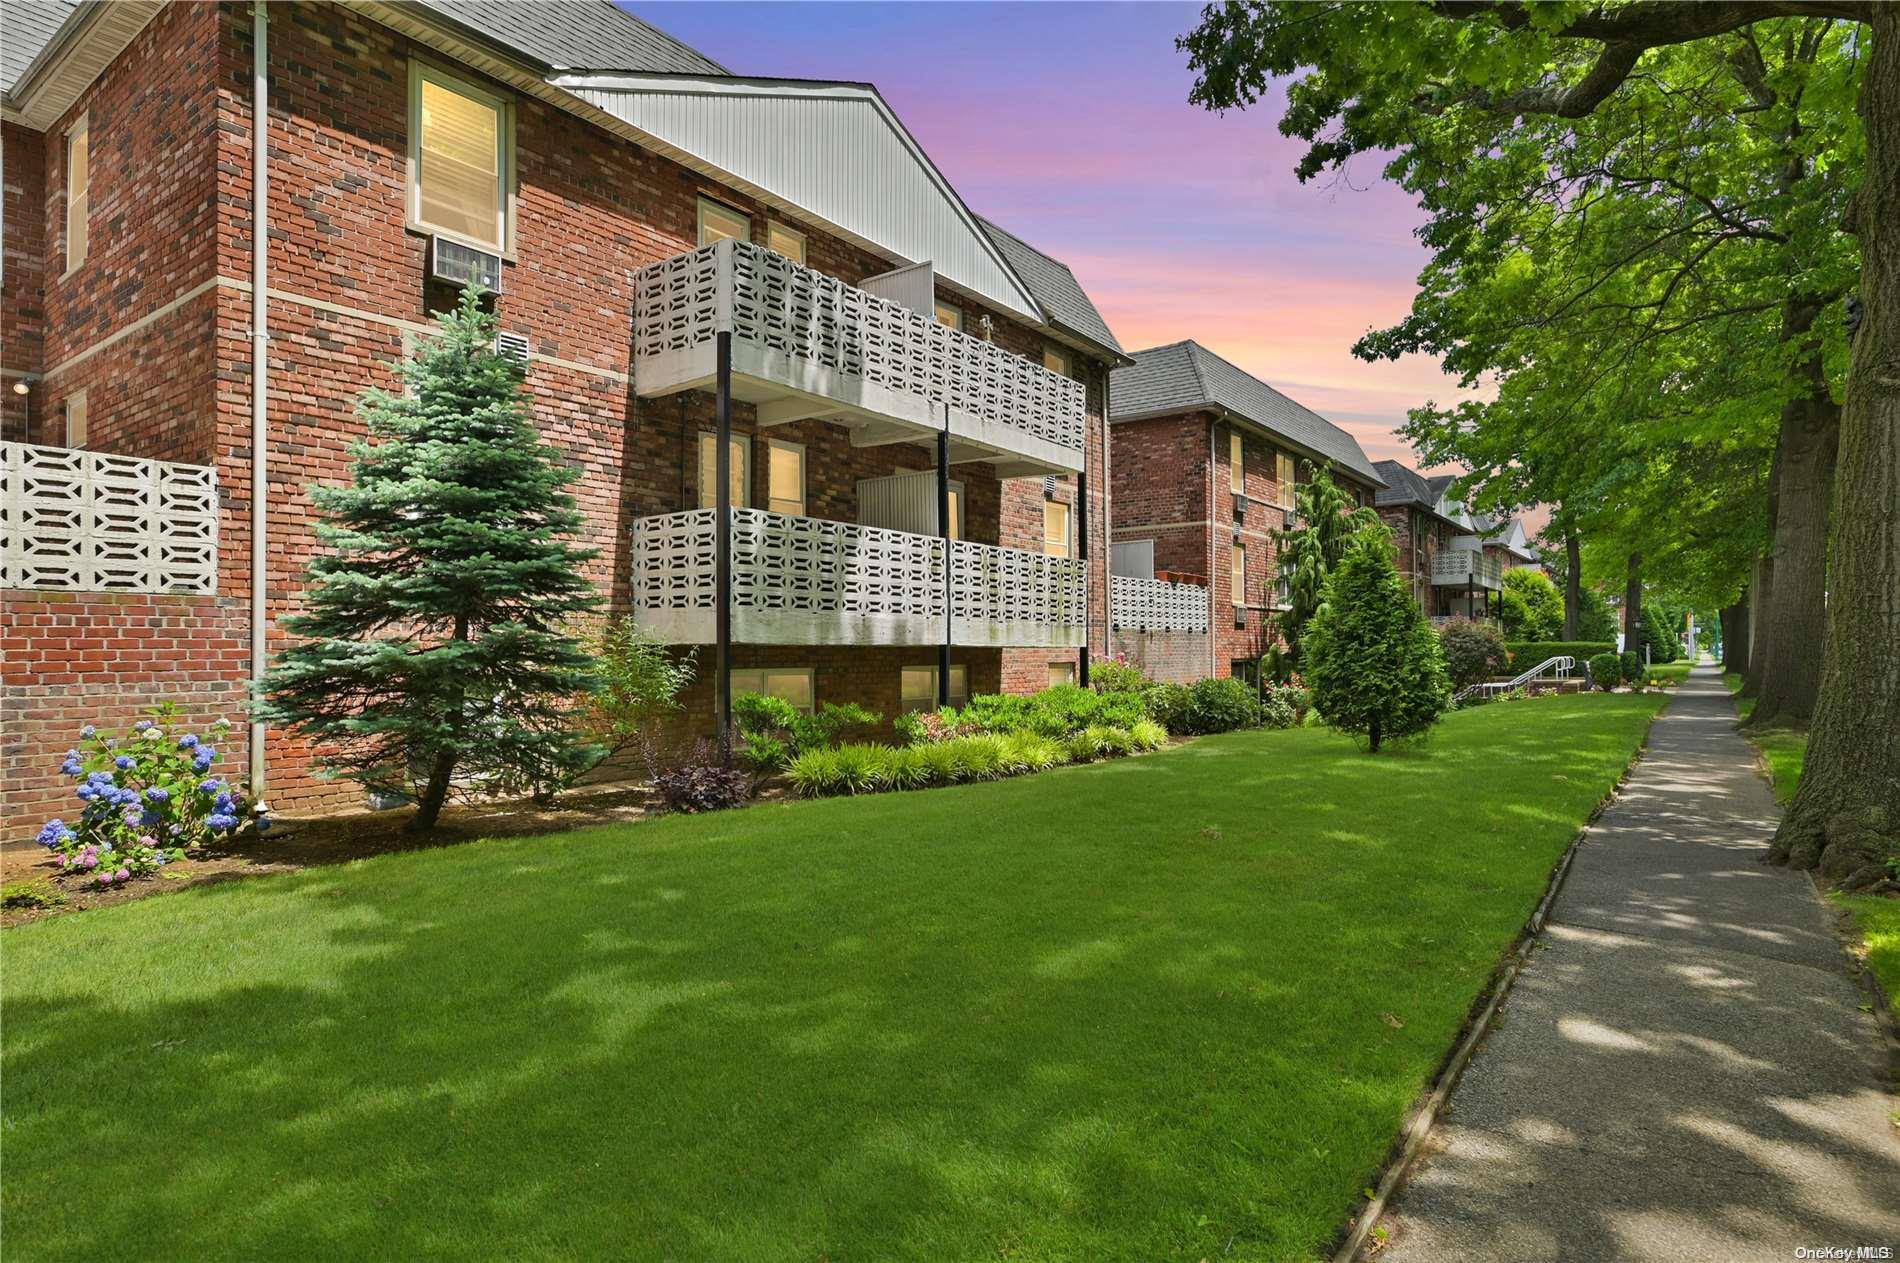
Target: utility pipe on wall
point(260, 361)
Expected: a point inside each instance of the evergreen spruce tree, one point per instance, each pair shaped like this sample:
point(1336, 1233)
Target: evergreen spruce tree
point(1373, 662)
point(1308, 554)
point(437, 620)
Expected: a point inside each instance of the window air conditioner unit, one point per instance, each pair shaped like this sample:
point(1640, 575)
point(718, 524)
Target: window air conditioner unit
point(459, 265)
point(1241, 504)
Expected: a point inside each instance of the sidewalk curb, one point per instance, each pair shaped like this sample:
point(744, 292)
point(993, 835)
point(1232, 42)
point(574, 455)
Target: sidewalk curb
point(1423, 1115)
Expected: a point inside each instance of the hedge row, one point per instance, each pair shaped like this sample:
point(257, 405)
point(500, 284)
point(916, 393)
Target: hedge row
point(1526, 654)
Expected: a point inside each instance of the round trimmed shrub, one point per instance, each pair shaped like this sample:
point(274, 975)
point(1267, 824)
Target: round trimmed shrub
point(1606, 671)
point(1474, 652)
point(1630, 664)
point(1216, 704)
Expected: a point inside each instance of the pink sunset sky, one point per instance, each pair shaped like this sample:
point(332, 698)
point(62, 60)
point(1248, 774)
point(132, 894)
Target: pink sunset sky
point(1069, 124)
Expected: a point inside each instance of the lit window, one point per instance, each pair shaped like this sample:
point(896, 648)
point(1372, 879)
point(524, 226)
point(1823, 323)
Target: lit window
point(785, 477)
point(1237, 576)
point(1055, 528)
point(1056, 360)
point(78, 190)
point(786, 241)
point(951, 316)
point(790, 684)
point(1283, 478)
point(717, 222)
point(709, 474)
point(920, 687)
point(1061, 673)
point(956, 512)
point(1236, 462)
point(76, 419)
point(458, 154)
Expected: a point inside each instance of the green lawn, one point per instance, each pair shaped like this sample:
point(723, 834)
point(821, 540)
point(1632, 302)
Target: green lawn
point(1879, 919)
point(1669, 672)
point(1172, 1007)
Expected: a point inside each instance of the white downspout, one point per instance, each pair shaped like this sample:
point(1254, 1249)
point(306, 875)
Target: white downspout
point(260, 362)
point(1213, 553)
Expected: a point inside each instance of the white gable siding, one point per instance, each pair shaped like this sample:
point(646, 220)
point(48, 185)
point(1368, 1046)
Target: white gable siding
point(833, 151)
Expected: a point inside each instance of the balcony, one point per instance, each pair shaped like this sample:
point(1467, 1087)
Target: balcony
point(1461, 568)
point(1155, 605)
point(809, 581)
point(806, 345)
point(79, 521)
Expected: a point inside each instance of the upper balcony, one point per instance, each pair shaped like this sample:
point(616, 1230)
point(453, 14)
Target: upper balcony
point(810, 581)
point(807, 345)
point(1462, 568)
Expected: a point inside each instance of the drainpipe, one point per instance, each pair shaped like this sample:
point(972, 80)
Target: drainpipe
point(260, 361)
point(1213, 643)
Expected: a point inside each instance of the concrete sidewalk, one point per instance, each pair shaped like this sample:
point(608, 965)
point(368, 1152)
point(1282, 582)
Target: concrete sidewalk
point(1683, 1070)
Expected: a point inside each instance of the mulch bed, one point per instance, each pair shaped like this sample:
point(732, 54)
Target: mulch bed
point(295, 843)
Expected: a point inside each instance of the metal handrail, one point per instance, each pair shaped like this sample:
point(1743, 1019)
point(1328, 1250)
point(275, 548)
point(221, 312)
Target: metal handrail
point(1562, 663)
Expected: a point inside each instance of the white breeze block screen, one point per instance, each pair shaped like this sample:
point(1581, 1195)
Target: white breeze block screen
point(1157, 606)
point(79, 521)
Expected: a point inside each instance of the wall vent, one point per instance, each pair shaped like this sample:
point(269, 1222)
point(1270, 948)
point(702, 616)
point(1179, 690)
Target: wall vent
point(1048, 486)
point(514, 346)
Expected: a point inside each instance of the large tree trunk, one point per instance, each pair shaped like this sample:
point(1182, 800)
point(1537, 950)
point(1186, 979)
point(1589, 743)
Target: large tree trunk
point(1760, 590)
point(1573, 587)
point(1845, 820)
point(1734, 623)
point(1633, 605)
point(1804, 486)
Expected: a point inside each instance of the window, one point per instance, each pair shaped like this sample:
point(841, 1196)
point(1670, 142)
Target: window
point(1061, 673)
point(709, 473)
point(1246, 670)
point(1236, 462)
point(785, 477)
point(956, 511)
point(717, 222)
point(78, 190)
point(1237, 576)
point(1283, 479)
point(1055, 528)
point(1056, 360)
point(793, 684)
point(920, 687)
point(948, 315)
point(76, 419)
point(459, 143)
point(780, 240)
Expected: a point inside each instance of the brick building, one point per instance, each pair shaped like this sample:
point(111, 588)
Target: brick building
point(648, 226)
point(1453, 559)
point(1204, 458)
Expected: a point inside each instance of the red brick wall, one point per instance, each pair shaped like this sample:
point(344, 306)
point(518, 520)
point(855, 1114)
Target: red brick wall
point(68, 659)
point(23, 298)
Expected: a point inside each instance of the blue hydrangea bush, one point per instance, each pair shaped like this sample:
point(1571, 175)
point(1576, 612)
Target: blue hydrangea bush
point(150, 797)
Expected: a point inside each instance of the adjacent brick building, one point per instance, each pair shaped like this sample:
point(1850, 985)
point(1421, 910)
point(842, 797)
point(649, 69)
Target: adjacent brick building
point(1453, 559)
point(1204, 459)
point(128, 315)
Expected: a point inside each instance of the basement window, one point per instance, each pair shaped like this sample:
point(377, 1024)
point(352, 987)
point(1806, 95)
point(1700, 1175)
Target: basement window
point(1061, 673)
point(460, 144)
point(790, 684)
point(78, 190)
point(920, 687)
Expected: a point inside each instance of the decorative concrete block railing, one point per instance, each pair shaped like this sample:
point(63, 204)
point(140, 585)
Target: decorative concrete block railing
point(1461, 566)
point(1155, 605)
point(817, 336)
point(809, 581)
point(82, 521)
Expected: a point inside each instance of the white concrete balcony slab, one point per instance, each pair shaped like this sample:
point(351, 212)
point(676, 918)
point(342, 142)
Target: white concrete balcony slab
point(1155, 605)
point(808, 345)
point(809, 581)
point(1462, 568)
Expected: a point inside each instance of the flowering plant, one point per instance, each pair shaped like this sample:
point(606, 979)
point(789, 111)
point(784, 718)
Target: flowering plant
point(149, 797)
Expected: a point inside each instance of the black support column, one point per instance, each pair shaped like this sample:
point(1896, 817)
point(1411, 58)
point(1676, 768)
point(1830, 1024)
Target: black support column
point(722, 545)
point(943, 532)
point(1082, 551)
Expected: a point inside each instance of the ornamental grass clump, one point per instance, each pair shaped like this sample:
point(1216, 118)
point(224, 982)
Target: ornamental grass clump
point(151, 798)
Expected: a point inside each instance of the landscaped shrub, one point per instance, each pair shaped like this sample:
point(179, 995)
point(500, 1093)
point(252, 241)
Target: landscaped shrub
point(1606, 671)
point(1630, 666)
point(1116, 677)
point(1661, 633)
point(1373, 661)
point(697, 782)
point(150, 797)
point(637, 681)
point(1059, 712)
point(1165, 703)
point(927, 727)
point(1282, 705)
point(1216, 704)
point(1474, 652)
point(869, 769)
point(1526, 654)
point(772, 731)
point(1532, 608)
point(1148, 735)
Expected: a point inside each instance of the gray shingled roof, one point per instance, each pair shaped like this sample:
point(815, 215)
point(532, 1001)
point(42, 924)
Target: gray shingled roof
point(1054, 288)
point(578, 35)
point(26, 26)
point(1404, 486)
point(1185, 376)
